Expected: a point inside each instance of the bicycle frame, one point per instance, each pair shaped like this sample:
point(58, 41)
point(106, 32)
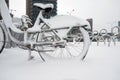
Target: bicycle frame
point(9, 26)
point(30, 45)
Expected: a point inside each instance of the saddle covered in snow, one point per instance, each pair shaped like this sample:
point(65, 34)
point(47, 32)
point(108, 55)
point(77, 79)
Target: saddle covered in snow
point(46, 7)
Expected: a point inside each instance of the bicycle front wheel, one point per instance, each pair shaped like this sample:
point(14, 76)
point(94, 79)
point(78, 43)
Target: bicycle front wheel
point(2, 39)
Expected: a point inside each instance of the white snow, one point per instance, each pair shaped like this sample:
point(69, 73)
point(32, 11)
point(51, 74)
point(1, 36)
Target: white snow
point(101, 63)
point(6, 17)
point(44, 6)
point(65, 21)
point(58, 22)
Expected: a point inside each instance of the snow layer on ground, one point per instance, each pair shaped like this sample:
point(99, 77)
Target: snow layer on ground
point(102, 63)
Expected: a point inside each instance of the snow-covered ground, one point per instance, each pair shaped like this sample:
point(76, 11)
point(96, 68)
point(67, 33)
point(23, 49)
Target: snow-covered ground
point(101, 63)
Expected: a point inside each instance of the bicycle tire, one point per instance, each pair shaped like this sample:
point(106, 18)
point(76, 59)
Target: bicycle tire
point(2, 39)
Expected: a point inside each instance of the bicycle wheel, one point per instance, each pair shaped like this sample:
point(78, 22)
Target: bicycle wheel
point(74, 46)
point(2, 39)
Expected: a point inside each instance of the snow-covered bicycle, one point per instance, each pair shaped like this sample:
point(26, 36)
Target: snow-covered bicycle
point(62, 36)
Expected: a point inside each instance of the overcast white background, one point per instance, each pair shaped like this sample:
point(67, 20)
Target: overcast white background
point(105, 13)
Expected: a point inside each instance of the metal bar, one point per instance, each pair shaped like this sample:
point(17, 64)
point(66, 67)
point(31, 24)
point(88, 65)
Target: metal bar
point(48, 30)
point(43, 50)
point(47, 43)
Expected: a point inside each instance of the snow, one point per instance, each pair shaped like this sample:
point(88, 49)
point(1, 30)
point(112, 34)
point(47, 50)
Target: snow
point(6, 16)
point(44, 6)
point(58, 22)
point(65, 21)
point(101, 63)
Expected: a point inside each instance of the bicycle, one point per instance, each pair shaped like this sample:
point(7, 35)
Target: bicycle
point(60, 36)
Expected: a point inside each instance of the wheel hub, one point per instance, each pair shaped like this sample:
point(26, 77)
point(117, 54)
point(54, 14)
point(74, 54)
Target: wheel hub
point(60, 45)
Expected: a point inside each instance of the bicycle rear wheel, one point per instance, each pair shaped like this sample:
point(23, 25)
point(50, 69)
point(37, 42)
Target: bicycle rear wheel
point(75, 46)
point(2, 39)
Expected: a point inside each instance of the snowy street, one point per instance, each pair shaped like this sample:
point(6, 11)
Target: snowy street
point(61, 36)
point(101, 63)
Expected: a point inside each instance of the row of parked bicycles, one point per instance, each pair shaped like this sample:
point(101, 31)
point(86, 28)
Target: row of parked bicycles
point(106, 37)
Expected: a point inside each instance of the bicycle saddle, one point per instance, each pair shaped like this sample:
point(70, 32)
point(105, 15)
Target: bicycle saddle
point(44, 6)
